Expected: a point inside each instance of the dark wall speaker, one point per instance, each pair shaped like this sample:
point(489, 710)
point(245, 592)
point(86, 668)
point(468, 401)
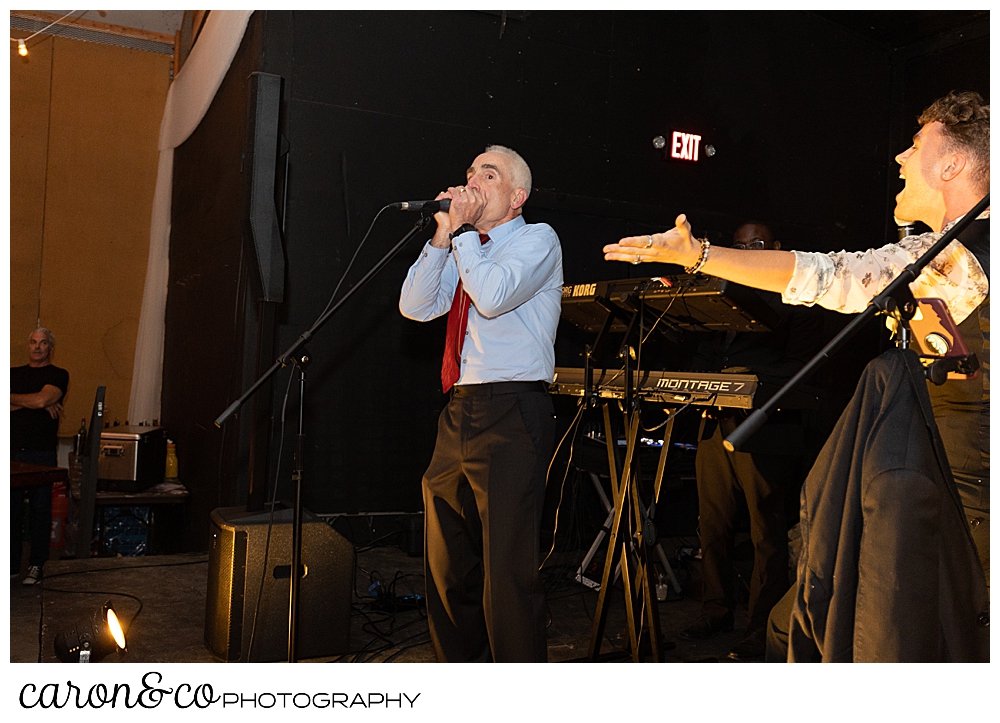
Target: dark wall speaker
point(265, 99)
point(235, 567)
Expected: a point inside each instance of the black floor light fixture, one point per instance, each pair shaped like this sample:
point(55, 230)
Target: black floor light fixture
point(92, 638)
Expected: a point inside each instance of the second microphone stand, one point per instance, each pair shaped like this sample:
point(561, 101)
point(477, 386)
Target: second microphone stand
point(302, 360)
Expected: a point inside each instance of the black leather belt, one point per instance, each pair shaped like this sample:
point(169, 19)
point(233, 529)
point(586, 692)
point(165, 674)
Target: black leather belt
point(490, 389)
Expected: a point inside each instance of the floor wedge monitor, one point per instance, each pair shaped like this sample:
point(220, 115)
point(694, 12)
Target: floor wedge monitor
point(238, 577)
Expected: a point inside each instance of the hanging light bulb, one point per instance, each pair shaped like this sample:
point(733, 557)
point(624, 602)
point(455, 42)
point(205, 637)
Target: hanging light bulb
point(22, 48)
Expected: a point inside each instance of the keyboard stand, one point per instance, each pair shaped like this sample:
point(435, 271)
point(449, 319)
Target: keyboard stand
point(631, 540)
point(581, 578)
point(631, 533)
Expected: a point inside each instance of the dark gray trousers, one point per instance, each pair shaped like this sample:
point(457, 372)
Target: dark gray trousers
point(483, 495)
point(39, 512)
point(724, 479)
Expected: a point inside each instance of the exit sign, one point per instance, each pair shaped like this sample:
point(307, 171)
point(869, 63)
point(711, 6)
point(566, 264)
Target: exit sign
point(685, 146)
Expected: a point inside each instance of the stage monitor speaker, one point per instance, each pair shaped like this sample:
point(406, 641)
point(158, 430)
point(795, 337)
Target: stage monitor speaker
point(235, 564)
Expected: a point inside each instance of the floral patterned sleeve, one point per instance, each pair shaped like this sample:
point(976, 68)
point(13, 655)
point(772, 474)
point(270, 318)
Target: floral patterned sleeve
point(846, 281)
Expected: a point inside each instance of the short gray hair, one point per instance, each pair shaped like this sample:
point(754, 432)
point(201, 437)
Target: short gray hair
point(48, 335)
point(520, 173)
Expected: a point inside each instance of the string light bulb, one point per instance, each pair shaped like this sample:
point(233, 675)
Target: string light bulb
point(22, 43)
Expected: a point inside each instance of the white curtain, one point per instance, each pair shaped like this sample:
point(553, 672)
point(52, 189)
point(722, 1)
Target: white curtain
point(188, 100)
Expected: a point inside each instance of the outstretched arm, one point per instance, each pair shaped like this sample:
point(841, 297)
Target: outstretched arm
point(768, 270)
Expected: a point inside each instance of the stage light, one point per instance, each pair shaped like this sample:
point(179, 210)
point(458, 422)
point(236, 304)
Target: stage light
point(22, 48)
point(92, 638)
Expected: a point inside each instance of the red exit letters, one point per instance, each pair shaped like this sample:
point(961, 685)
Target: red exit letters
point(685, 146)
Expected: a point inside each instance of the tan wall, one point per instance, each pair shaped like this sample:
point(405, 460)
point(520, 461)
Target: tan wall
point(85, 119)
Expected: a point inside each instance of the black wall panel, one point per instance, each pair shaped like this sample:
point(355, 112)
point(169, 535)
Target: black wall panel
point(925, 71)
point(388, 106)
point(580, 95)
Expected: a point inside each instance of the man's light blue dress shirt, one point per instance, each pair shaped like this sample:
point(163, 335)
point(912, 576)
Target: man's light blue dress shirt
point(515, 284)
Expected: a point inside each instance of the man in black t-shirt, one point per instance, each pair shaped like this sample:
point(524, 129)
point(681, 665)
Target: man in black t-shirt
point(36, 393)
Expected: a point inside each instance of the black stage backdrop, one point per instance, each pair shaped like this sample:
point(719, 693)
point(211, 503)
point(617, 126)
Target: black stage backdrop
point(805, 114)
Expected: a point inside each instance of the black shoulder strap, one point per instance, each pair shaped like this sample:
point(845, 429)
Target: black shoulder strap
point(976, 238)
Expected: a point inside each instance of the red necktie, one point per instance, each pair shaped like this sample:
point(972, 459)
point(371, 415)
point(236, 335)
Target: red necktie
point(458, 320)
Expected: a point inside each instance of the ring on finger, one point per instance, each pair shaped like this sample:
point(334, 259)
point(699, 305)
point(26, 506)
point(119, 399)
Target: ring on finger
point(461, 190)
point(637, 260)
point(649, 244)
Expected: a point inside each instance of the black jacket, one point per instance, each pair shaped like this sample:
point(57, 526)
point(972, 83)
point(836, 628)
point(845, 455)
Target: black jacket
point(888, 570)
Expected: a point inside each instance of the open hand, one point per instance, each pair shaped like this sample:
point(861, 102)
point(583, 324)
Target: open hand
point(676, 246)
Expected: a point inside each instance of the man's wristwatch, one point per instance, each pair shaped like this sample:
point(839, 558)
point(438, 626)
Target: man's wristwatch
point(465, 227)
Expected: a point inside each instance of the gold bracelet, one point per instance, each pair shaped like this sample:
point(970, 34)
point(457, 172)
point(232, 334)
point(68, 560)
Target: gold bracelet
point(702, 257)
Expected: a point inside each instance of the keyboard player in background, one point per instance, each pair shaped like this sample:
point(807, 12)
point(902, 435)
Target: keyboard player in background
point(767, 472)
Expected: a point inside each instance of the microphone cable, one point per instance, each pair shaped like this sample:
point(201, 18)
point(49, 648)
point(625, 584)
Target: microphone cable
point(270, 519)
point(571, 430)
point(277, 476)
point(353, 258)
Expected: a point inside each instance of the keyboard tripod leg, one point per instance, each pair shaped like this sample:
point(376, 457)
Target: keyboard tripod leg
point(669, 570)
point(605, 502)
point(579, 577)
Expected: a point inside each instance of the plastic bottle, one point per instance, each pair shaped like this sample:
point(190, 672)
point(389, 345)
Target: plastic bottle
point(80, 441)
point(60, 517)
point(171, 470)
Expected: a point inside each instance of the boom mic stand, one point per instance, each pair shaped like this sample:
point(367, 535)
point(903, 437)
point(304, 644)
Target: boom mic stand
point(895, 299)
point(288, 356)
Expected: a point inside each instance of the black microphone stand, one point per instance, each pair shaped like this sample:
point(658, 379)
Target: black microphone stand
point(896, 298)
point(301, 360)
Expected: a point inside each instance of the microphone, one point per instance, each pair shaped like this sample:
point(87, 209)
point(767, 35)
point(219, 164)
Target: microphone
point(426, 206)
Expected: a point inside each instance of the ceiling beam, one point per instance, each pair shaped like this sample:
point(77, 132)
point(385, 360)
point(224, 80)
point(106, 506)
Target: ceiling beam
point(94, 25)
